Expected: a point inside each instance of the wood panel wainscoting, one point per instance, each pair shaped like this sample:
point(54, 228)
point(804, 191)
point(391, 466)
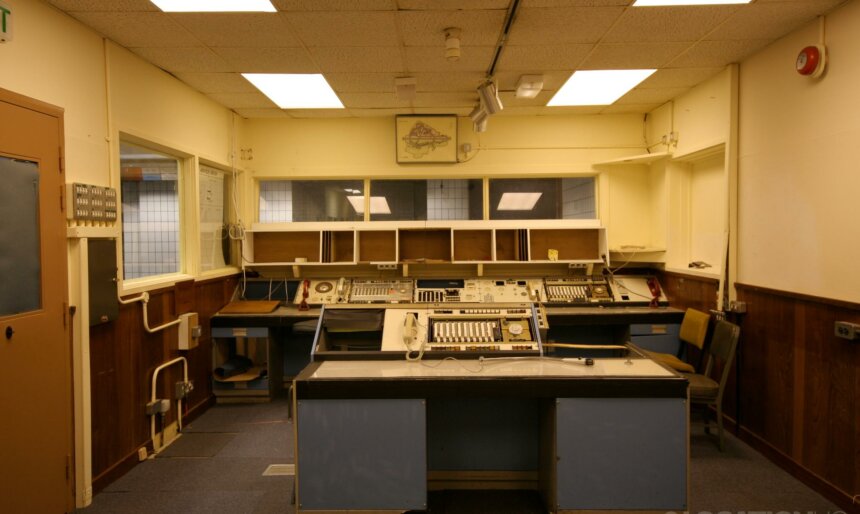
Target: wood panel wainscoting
point(123, 357)
point(794, 391)
point(800, 389)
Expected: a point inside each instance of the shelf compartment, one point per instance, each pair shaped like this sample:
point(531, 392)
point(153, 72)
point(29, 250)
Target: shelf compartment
point(342, 246)
point(473, 245)
point(286, 246)
point(425, 245)
point(377, 246)
point(511, 245)
point(572, 244)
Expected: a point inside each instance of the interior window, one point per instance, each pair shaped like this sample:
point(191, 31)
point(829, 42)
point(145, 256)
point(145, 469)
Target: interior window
point(543, 198)
point(150, 211)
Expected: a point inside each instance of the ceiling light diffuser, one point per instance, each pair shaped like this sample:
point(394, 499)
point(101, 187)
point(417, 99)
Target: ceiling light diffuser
point(598, 87)
point(656, 3)
point(215, 5)
point(518, 201)
point(296, 91)
point(378, 204)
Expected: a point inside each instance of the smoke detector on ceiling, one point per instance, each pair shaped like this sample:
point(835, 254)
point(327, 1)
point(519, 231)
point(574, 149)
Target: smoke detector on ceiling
point(452, 44)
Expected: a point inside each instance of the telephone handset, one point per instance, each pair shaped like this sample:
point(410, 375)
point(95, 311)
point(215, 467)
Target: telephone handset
point(654, 287)
point(410, 334)
point(341, 285)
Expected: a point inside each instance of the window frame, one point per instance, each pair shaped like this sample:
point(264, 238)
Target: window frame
point(185, 162)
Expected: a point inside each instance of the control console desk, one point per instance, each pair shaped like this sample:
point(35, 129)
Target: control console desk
point(376, 435)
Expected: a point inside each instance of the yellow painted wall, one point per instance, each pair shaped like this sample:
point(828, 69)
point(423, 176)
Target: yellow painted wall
point(511, 145)
point(55, 59)
point(153, 105)
point(798, 171)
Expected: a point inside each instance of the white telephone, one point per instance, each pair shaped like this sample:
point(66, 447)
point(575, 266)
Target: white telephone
point(410, 333)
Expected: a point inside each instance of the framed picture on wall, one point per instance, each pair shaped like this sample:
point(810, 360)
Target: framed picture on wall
point(426, 138)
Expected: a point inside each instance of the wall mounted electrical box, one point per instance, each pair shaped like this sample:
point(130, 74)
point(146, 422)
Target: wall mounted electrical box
point(101, 264)
point(189, 331)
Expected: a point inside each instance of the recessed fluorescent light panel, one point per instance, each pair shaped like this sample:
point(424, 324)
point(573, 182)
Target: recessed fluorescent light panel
point(518, 201)
point(598, 87)
point(215, 5)
point(296, 91)
point(656, 3)
point(378, 204)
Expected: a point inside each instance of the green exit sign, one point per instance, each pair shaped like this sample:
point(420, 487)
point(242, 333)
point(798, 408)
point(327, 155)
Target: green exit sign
point(5, 23)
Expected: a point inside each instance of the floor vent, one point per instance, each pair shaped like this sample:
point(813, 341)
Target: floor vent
point(280, 470)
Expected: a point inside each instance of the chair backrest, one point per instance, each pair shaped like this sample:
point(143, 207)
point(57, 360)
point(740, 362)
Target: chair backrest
point(694, 327)
point(724, 342)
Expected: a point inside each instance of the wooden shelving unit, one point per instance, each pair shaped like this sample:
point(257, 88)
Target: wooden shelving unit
point(391, 245)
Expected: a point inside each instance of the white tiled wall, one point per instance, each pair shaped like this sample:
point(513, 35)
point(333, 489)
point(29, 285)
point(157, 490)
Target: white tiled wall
point(276, 201)
point(447, 199)
point(578, 198)
point(150, 227)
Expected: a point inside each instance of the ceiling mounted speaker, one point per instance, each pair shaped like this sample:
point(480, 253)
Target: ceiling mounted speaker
point(489, 97)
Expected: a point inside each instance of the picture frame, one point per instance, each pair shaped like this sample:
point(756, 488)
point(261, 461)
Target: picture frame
point(429, 138)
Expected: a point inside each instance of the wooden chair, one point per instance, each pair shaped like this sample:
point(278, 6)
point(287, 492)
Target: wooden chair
point(703, 389)
point(694, 329)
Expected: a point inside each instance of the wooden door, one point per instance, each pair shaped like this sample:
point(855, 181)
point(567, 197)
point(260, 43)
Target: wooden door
point(35, 350)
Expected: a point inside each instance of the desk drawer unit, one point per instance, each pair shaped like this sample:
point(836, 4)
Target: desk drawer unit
point(656, 337)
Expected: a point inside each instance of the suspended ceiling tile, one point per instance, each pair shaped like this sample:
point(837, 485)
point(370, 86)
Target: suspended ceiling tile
point(679, 77)
point(551, 111)
point(432, 5)
point(717, 53)
point(651, 95)
point(546, 58)
point(448, 81)
point(217, 82)
point(359, 59)
point(427, 58)
point(629, 108)
point(509, 99)
point(335, 5)
point(614, 56)
point(660, 24)
point(458, 111)
point(464, 99)
point(371, 100)
point(238, 29)
point(138, 29)
point(261, 113)
point(344, 28)
point(255, 100)
point(770, 20)
point(507, 80)
point(185, 59)
point(318, 113)
point(268, 60)
point(427, 28)
point(539, 26)
point(105, 5)
point(362, 82)
point(378, 113)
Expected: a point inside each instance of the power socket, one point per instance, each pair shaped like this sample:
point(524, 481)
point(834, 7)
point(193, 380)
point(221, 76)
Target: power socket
point(847, 330)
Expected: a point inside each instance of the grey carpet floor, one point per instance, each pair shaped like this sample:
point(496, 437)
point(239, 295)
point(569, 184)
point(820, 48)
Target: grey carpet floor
point(217, 465)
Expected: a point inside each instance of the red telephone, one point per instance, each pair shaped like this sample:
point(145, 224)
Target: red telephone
point(654, 287)
point(303, 306)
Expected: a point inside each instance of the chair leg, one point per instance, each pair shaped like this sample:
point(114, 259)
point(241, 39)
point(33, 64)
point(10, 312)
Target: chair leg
point(720, 426)
point(705, 413)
